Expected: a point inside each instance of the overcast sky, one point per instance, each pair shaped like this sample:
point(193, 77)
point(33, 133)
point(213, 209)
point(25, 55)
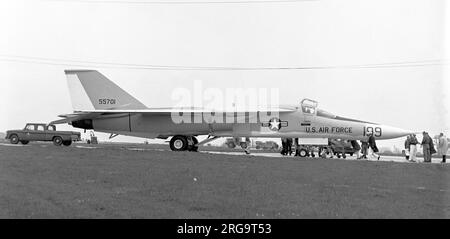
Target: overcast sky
point(310, 33)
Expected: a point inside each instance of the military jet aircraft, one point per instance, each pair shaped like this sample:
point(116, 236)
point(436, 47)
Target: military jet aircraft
point(101, 105)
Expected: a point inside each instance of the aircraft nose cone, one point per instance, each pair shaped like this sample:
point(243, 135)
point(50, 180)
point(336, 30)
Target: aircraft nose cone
point(390, 132)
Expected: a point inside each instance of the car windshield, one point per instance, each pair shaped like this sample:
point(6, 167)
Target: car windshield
point(29, 127)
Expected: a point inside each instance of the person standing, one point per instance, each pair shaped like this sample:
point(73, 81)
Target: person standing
point(442, 147)
point(297, 147)
point(413, 147)
point(356, 147)
point(364, 148)
point(283, 146)
point(426, 142)
point(373, 146)
point(289, 146)
point(432, 149)
point(407, 143)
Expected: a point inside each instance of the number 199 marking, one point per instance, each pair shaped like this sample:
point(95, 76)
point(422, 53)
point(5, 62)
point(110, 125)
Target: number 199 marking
point(371, 130)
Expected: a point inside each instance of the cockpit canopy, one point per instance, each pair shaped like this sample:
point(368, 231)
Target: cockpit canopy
point(310, 107)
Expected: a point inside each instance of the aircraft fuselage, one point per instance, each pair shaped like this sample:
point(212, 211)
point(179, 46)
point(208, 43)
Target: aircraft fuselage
point(297, 124)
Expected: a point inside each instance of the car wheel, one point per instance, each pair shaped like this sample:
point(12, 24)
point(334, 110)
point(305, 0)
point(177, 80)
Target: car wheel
point(24, 142)
point(57, 141)
point(67, 143)
point(178, 143)
point(14, 139)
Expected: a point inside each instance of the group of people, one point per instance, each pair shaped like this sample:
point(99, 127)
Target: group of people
point(427, 145)
point(368, 148)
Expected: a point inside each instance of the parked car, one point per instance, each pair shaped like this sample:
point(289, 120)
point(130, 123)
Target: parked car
point(42, 132)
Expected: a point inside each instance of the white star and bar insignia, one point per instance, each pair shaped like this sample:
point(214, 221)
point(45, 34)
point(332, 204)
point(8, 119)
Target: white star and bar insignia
point(275, 124)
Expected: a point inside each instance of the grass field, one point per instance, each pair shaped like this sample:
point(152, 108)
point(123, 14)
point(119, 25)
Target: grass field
point(123, 181)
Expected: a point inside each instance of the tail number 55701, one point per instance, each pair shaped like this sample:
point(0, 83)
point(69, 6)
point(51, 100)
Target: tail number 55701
point(106, 101)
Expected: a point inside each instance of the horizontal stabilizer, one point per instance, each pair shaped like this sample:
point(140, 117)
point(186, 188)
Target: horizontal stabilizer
point(74, 117)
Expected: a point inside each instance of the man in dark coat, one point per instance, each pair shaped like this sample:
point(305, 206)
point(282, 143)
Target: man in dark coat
point(427, 146)
point(432, 149)
point(373, 146)
point(283, 146)
point(407, 147)
point(364, 148)
point(356, 147)
point(289, 146)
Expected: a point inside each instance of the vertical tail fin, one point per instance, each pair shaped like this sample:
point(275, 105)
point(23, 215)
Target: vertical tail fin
point(90, 90)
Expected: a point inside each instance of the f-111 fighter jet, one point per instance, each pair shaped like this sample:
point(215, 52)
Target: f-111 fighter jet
point(101, 105)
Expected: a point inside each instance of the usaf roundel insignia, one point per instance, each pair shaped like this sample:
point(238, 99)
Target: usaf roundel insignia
point(275, 124)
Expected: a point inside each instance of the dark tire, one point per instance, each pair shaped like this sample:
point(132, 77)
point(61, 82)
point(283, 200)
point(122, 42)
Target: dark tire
point(24, 142)
point(344, 156)
point(303, 153)
point(14, 139)
point(57, 141)
point(192, 147)
point(178, 143)
point(231, 145)
point(67, 143)
point(351, 154)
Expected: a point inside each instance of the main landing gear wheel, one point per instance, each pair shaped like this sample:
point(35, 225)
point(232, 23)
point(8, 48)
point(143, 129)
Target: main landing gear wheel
point(178, 143)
